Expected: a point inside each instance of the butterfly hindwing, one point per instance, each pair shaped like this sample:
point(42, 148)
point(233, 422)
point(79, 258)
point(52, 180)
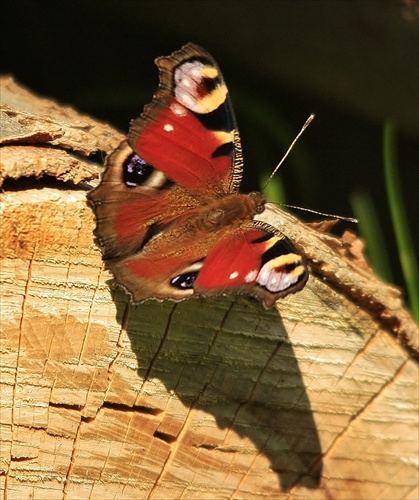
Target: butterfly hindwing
point(255, 259)
point(133, 202)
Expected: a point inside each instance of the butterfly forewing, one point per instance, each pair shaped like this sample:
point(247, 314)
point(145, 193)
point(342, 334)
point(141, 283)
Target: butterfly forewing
point(190, 123)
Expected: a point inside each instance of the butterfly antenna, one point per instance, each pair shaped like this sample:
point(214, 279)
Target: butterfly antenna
point(306, 124)
point(341, 217)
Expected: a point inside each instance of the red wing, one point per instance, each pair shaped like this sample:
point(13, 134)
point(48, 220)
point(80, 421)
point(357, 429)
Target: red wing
point(155, 271)
point(188, 131)
point(134, 202)
point(254, 260)
point(258, 261)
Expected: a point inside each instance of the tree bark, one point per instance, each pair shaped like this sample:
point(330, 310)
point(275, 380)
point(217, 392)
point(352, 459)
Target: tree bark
point(208, 399)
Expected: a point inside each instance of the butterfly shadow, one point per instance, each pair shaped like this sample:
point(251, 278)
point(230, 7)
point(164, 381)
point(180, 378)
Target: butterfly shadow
point(233, 360)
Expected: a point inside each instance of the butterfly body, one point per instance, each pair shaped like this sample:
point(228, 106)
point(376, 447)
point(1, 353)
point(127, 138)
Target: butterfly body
point(170, 219)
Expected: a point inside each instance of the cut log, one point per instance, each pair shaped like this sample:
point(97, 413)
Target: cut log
point(203, 399)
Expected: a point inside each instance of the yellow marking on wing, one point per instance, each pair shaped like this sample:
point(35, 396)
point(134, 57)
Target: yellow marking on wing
point(213, 100)
point(284, 260)
point(272, 241)
point(298, 271)
point(209, 72)
point(223, 136)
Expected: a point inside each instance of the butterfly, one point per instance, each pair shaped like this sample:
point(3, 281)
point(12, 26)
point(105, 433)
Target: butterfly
point(170, 220)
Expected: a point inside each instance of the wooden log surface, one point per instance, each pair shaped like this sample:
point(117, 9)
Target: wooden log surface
point(203, 399)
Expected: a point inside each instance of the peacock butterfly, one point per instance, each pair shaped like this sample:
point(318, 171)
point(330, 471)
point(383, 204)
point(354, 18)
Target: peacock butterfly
point(170, 220)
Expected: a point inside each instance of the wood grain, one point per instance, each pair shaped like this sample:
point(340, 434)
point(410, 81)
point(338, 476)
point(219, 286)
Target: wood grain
point(207, 399)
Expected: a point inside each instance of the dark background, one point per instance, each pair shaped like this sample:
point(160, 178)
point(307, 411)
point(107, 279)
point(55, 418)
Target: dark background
point(353, 63)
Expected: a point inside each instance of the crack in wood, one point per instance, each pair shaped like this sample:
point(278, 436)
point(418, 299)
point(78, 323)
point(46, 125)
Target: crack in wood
point(72, 460)
point(164, 436)
point(15, 385)
point(119, 344)
point(135, 408)
point(215, 447)
point(159, 348)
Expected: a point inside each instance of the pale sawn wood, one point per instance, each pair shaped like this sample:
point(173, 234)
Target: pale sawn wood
point(205, 399)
